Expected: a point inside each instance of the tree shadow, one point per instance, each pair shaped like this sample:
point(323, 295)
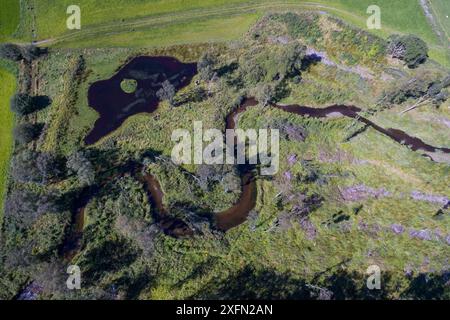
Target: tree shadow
point(41, 102)
point(252, 283)
point(310, 60)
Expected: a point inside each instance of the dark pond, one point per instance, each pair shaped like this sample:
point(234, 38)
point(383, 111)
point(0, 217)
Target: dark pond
point(115, 106)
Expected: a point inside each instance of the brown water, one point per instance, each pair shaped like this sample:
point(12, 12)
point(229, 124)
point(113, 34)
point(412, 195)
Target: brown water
point(171, 226)
point(115, 106)
point(352, 112)
point(238, 213)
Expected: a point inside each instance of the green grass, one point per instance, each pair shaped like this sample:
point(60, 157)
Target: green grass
point(402, 15)
point(6, 90)
point(9, 18)
point(442, 10)
point(148, 23)
point(51, 15)
point(196, 31)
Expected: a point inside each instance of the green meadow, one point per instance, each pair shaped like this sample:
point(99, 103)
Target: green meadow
point(9, 18)
point(156, 23)
point(6, 90)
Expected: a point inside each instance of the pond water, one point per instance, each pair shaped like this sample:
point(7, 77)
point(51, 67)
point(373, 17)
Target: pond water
point(114, 105)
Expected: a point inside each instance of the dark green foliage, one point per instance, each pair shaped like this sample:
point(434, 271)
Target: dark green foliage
point(301, 25)
point(15, 53)
point(24, 169)
point(252, 72)
point(24, 207)
point(22, 104)
point(21, 209)
point(31, 166)
point(79, 164)
point(49, 166)
point(197, 94)
point(265, 94)
point(293, 56)
point(408, 48)
point(420, 87)
point(48, 233)
point(107, 256)
point(10, 51)
point(132, 199)
point(167, 92)
point(27, 132)
point(224, 175)
point(205, 66)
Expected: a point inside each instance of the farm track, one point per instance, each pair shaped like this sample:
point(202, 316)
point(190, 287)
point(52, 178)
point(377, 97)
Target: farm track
point(112, 28)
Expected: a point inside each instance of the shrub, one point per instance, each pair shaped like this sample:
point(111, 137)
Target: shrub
point(10, 51)
point(167, 92)
point(78, 163)
point(408, 48)
point(128, 85)
point(301, 25)
point(15, 53)
point(21, 208)
point(205, 66)
point(48, 233)
point(22, 104)
point(31, 166)
point(265, 94)
point(26, 132)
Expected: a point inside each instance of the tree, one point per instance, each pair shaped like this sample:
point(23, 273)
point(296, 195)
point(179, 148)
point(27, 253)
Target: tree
point(22, 104)
point(21, 209)
point(264, 94)
point(26, 132)
point(408, 48)
point(23, 168)
point(48, 233)
point(31, 166)
point(15, 53)
point(10, 51)
point(79, 163)
point(167, 92)
point(49, 166)
point(32, 52)
point(294, 55)
point(205, 66)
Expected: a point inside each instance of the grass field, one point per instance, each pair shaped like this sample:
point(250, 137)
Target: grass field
point(149, 23)
point(6, 90)
point(9, 18)
point(402, 15)
point(442, 10)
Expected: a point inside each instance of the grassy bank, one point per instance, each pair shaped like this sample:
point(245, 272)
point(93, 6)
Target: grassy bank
point(6, 90)
point(9, 18)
